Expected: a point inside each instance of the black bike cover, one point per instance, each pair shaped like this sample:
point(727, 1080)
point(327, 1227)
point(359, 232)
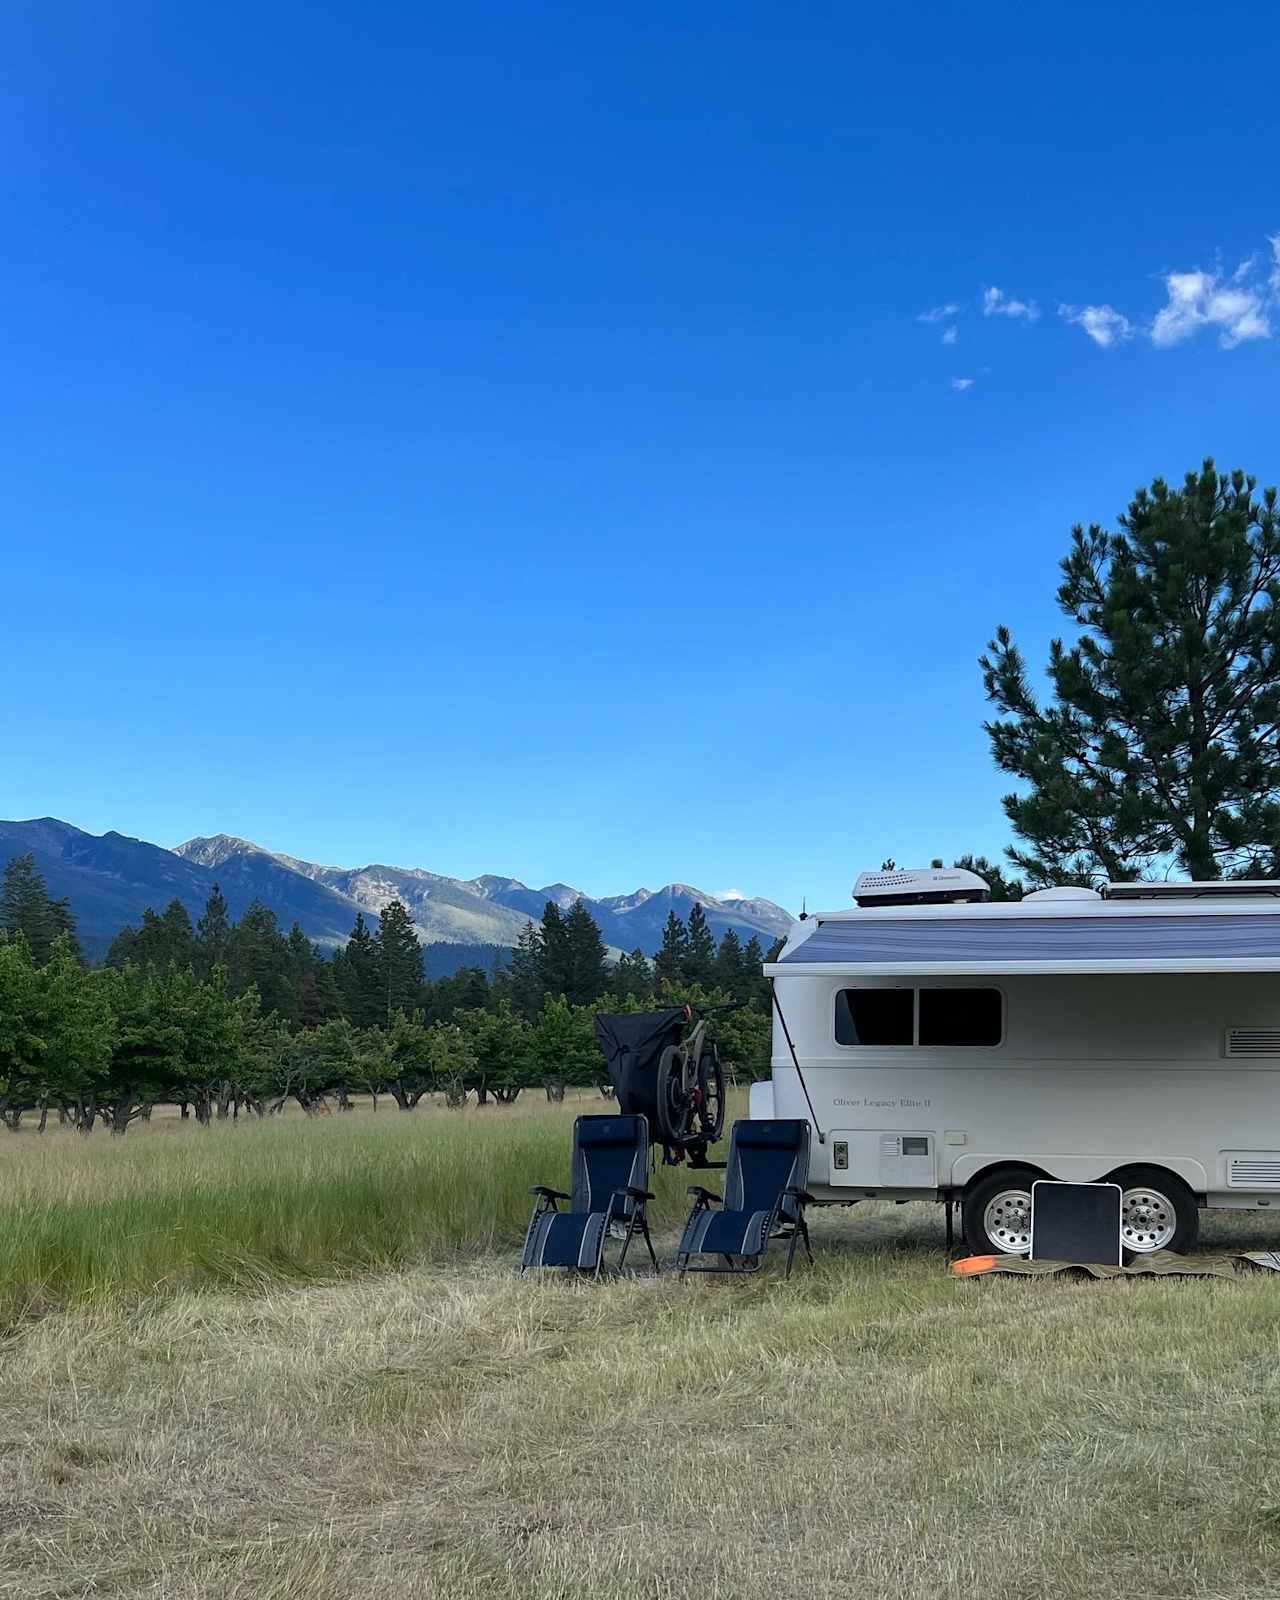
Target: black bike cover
point(632, 1042)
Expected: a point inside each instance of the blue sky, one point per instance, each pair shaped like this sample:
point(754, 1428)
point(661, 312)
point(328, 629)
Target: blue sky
point(506, 438)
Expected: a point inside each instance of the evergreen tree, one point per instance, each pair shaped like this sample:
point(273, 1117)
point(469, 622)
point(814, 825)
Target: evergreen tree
point(258, 958)
point(399, 962)
point(358, 977)
point(730, 966)
point(164, 941)
point(27, 908)
point(1159, 745)
point(555, 958)
point(632, 978)
point(1003, 885)
point(669, 963)
point(588, 968)
point(522, 980)
point(213, 934)
point(700, 956)
point(753, 960)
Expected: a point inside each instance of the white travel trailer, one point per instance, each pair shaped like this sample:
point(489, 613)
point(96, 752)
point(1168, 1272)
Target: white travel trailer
point(943, 1047)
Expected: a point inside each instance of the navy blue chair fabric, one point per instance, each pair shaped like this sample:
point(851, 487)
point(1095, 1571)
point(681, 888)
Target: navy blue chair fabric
point(764, 1197)
point(609, 1166)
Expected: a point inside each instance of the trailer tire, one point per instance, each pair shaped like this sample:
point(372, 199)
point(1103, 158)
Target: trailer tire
point(1158, 1211)
point(996, 1212)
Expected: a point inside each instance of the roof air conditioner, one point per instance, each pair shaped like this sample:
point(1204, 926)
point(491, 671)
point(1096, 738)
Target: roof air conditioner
point(926, 886)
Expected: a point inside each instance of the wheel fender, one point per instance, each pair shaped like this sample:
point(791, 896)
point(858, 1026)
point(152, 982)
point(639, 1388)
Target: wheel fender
point(1079, 1169)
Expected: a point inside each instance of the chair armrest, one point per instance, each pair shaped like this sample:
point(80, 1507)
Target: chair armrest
point(802, 1195)
point(549, 1194)
point(635, 1194)
point(706, 1196)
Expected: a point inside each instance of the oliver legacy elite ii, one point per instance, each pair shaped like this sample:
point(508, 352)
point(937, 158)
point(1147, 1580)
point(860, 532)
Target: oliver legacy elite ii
point(944, 1047)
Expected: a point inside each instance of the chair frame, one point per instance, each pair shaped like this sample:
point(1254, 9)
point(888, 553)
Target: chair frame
point(547, 1200)
point(793, 1229)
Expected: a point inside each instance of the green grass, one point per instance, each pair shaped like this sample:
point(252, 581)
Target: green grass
point(294, 1363)
point(179, 1207)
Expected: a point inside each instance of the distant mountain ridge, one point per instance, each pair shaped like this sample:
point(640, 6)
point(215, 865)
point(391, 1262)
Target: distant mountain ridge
point(111, 879)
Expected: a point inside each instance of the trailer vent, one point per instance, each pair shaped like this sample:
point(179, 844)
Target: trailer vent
point(1253, 1169)
point(1253, 1041)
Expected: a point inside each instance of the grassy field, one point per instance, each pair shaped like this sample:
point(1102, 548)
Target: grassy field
point(294, 1360)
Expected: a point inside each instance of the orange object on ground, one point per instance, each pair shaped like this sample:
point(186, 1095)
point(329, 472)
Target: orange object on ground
point(970, 1266)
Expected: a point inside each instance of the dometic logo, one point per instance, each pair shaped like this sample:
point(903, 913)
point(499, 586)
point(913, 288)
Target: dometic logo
point(894, 1103)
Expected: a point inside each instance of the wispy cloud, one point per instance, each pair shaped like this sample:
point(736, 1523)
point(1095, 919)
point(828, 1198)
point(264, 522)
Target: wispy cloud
point(1104, 324)
point(1237, 309)
point(1274, 280)
point(950, 335)
point(996, 303)
point(961, 384)
point(939, 313)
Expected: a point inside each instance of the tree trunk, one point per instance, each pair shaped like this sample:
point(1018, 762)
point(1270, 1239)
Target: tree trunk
point(343, 1098)
point(555, 1089)
point(482, 1092)
point(373, 1095)
point(184, 1110)
point(506, 1094)
point(146, 1110)
point(44, 1113)
point(224, 1100)
point(204, 1106)
point(122, 1113)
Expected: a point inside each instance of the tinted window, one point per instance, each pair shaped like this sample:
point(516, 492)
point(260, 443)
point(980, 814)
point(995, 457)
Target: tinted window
point(874, 1016)
point(960, 1016)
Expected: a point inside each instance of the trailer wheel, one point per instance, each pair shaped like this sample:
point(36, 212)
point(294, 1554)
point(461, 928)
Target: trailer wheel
point(997, 1213)
point(1157, 1210)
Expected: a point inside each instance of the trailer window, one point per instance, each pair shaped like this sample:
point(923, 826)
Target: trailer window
point(960, 1017)
point(937, 1017)
point(875, 1016)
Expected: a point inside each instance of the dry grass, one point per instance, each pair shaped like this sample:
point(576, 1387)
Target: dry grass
point(872, 1428)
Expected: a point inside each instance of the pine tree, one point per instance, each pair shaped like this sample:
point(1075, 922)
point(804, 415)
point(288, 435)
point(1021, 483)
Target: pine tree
point(357, 972)
point(167, 940)
point(730, 971)
point(669, 963)
point(1159, 745)
point(555, 955)
point(399, 962)
point(700, 957)
point(588, 969)
point(27, 909)
point(213, 934)
point(258, 957)
point(523, 978)
point(632, 978)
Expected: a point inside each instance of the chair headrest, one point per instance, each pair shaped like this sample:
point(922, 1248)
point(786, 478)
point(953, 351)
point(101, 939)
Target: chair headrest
point(787, 1135)
point(590, 1131)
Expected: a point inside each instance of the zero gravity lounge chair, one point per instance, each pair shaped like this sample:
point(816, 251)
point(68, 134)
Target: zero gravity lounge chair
point(764, 1198)
point(610, 1164)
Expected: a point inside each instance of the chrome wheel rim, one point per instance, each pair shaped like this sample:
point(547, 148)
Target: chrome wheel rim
point(1147, 1220)
point(1007, 1221)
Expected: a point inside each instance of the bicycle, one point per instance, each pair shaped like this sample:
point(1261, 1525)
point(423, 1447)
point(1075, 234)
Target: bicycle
point(690, 1096)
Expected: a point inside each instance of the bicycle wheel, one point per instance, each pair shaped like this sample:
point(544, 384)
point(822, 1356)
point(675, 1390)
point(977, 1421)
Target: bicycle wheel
point(710, 1111)
point(674, 1105)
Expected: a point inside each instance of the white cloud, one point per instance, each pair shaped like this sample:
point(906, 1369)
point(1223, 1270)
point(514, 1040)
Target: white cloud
point(950, 335)
point(1197, 300)
point(939, 313)
point(1274, 242)
point(961, 384)
point(729, 894)
point(996, 303)
point(1104, 324)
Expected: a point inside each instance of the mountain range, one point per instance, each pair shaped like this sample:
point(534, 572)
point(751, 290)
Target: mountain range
point(110, 880)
